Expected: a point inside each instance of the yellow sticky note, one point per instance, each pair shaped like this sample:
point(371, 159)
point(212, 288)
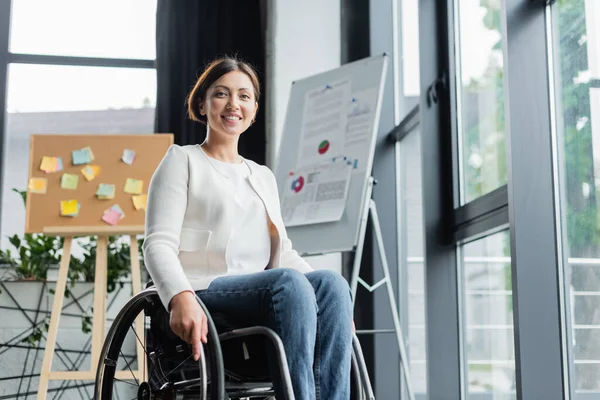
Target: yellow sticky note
point(139, 201)
point(69, 181)
point(48, 164)
point(90, 172)
point(133, 186)
point(38, 185)
point(51, 164)
point(69, 208)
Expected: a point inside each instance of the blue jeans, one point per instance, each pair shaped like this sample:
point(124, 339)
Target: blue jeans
point(311, 313)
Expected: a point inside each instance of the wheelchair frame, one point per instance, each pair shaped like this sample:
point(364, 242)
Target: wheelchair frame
point(219, 388)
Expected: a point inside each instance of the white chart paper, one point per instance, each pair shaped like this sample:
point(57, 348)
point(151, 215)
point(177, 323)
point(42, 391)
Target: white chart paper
point(316, 194)
point(359, 127)
point(324, 123)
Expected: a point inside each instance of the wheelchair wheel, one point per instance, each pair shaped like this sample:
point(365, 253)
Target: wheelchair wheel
point(165, 369)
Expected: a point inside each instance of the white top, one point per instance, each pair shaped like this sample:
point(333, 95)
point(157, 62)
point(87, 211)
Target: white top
point(250, 244)
point(192, 222)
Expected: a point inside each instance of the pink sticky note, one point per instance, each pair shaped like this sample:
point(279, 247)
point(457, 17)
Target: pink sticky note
point(111, 217)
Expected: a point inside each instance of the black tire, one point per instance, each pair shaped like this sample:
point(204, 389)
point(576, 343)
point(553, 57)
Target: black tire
point(111, 360)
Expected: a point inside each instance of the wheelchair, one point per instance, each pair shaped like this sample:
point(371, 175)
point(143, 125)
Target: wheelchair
point(236, 363)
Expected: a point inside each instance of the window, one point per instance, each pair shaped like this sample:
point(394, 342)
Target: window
point(488, 317)
point(576, 45)
point(54, 98)
point(410, 53)
point(412, 266)
point(480, 104)
point(108, 28)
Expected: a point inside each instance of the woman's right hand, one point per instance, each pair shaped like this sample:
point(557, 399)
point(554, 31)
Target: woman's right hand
point(188, 321)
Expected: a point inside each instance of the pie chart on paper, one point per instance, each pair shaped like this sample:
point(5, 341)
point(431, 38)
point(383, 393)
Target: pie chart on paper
point(298, 184)
point(323, 147)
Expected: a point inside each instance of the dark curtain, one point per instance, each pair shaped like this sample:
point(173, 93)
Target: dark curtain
point(191, 33)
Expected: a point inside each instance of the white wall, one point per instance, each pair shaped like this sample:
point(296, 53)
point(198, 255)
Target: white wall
point(303, 39)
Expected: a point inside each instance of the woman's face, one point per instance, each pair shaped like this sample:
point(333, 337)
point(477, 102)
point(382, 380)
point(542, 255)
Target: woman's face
point(230, 104)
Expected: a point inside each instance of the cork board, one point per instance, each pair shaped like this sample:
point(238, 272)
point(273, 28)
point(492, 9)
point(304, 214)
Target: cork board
point(43, 211)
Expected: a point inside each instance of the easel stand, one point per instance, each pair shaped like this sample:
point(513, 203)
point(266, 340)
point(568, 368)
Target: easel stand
point(100, 291)
point(370, 210)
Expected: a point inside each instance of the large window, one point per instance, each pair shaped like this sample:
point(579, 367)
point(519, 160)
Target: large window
point(488, 317)
point(511, 185)
point(108, 28)
point(412, 266)
point(480, 111)
point(410, 54)
point(576, 50)
point(50, 95)
point(484, 264)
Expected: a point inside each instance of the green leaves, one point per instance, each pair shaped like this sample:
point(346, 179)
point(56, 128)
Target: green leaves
point(22, 193)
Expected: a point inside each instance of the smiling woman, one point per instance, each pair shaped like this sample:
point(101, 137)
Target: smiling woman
point(214, 227)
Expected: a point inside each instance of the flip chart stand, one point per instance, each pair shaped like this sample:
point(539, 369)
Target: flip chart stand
point(100, 291)
point(371, 210)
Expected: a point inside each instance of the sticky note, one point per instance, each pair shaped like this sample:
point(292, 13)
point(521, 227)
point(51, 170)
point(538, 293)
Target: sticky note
point(105, 191)
point(69, 208)
point(128, 156)
point(37, 185)
point(69, 181)
point(90, 172)
point(82, 156)
point(139, 201)
point(113, 214)
point(111, 217)
point(48, 164)
point(133, 186)
point(58, 166)
point(117, 209)
point(51, 164)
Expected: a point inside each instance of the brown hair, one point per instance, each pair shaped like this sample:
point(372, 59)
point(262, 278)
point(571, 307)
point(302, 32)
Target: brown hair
point(212, 73)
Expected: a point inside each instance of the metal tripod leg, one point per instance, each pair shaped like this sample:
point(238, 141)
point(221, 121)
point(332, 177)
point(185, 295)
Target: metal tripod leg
point(392, 299)
point(371, 209)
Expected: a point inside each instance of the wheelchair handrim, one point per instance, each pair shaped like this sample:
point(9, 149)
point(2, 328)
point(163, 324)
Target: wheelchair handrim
point(105, 376)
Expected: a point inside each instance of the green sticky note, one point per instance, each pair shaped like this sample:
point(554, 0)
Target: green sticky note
point(105, 191)
point(69, 181)
point(83, 156)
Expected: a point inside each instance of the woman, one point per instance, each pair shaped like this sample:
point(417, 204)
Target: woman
point(214, 227)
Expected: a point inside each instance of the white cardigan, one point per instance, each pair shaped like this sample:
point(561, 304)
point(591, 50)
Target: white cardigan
point(189, 220)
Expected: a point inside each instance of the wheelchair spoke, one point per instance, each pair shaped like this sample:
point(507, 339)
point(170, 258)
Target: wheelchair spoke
point(129, 367)
point(152, 362)
point(166, 376)
point(127, 382)
point(145, 352)
point(138, 338)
